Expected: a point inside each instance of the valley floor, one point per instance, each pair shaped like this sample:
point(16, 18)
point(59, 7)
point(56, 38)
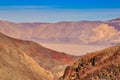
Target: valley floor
point(73, 49)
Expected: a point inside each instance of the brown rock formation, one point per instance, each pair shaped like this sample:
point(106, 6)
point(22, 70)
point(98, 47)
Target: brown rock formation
point(99, 65)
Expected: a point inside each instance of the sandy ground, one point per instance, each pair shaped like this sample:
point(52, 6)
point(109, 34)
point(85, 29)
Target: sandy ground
point(73, 49)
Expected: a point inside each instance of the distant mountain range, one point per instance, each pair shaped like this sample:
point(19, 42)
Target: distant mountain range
point(99, 65)
point(26, 60)
point(80, 32)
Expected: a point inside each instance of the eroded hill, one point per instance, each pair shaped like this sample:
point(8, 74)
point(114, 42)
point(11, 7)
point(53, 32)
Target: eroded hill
point(26, 60)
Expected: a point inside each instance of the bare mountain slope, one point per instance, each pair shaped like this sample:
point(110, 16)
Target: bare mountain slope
point(100, 65)
point(82, 32)
point(17, 65)
point(26, 60)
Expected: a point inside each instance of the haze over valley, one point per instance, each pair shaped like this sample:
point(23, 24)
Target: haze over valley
point(73, 49)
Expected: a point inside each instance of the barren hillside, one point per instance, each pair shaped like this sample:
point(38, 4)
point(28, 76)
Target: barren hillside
point(26, 60)
point(82, 32)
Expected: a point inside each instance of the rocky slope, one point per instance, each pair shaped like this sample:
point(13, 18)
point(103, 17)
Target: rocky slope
point(15, 64)
point(99, 65)
point(82, 32)
point(26, 60)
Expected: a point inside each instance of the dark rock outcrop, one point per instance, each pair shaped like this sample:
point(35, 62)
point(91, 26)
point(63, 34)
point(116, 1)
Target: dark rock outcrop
point(100, 65)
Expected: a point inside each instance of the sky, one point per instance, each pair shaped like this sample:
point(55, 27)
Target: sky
point(58, 10)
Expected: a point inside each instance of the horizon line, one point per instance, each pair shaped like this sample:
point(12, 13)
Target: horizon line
point(56, 21)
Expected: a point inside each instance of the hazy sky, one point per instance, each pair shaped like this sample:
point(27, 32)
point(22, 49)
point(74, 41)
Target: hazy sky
point(58, 10)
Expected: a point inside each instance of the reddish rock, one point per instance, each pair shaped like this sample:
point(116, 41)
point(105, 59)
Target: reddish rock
point(100, 65)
